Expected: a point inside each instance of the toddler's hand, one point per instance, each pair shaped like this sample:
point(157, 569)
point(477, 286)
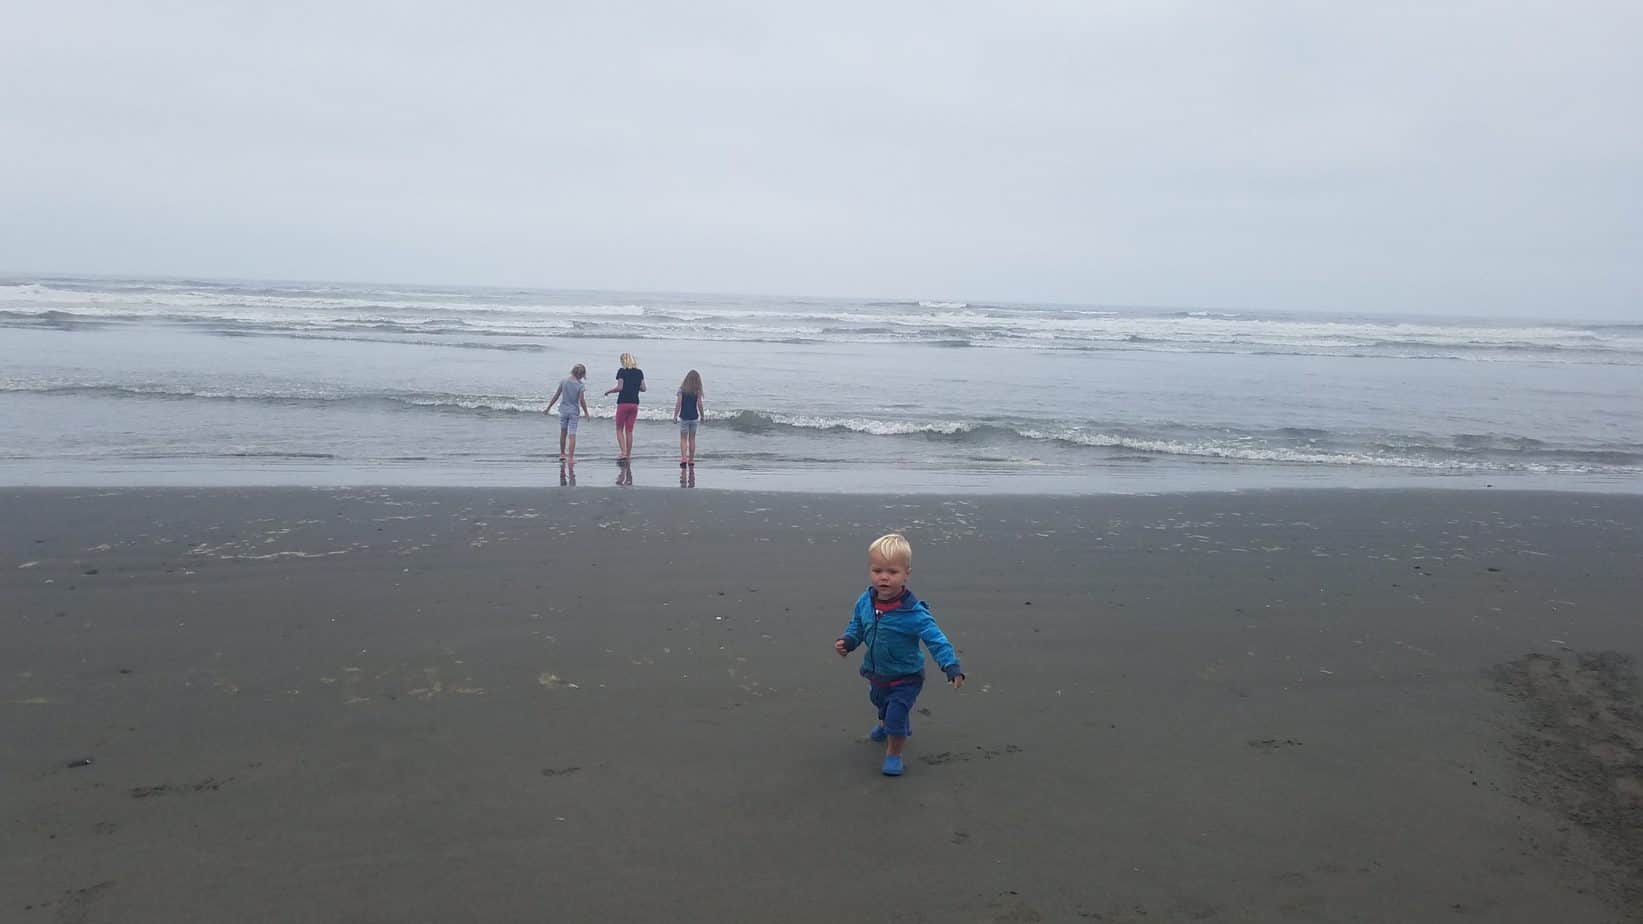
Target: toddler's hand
point(957, 681)
point(838, 646)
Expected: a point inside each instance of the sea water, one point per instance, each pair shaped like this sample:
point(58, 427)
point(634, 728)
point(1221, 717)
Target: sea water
point(189, 382)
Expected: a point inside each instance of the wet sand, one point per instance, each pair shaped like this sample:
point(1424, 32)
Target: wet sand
point(622, 705)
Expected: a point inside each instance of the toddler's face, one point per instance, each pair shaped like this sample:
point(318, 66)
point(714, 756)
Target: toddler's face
point(889, 578)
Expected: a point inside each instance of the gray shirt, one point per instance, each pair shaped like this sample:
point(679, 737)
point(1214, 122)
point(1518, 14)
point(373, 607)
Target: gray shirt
point(570, 396)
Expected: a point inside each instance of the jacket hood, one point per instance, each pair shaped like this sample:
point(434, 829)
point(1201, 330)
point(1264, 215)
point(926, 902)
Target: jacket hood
point(909, 600)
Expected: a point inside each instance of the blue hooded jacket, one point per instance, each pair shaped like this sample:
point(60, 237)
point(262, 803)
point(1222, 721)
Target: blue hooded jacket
point(892, 639)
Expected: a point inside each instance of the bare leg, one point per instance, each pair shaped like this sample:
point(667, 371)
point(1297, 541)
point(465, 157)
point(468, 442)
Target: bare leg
point(693, 447)
point(682, 438)
point(892, 747)
point(572, 456)
point(562, 433)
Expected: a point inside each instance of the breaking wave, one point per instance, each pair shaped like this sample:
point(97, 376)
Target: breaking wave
point(1303, 446)
point(532, 320)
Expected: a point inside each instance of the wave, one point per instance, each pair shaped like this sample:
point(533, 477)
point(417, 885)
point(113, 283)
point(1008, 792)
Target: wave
point(318, 396)
point(402, 341)
point(467, 318)
point(1467, 452)
point(1437, 461)
point(1409, 453)
point(536, 319)
point(457, 334)
point(1306, 446)
point(747, 421)
point(766, 421)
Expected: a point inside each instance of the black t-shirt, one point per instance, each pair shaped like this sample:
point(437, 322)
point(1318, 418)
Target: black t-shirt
point(688, 406)
point(630, 379)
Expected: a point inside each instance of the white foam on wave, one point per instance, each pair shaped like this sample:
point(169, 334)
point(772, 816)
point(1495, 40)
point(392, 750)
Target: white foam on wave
point(442, 313)
point(518, 405)
point(1243, 451)
point(868, 425)
point(208, 304)
point(473, 403)
point(244, 392)
point(1248, 453)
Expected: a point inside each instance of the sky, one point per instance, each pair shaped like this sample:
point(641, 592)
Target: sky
point(1480, 158)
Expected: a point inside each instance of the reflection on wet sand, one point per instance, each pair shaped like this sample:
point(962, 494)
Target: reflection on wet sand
point(624, 473)
point(567, 475)
point(687, 477)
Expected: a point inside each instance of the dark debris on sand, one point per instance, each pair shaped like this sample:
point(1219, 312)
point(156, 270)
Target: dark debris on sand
point(209, 784)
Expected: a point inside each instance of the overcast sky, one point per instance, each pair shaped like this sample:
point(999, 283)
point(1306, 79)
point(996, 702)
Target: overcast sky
point(1461, 157)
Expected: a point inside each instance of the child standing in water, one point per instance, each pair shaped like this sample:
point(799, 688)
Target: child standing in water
point(630, 380)
point(689, 408)
point(572, 398)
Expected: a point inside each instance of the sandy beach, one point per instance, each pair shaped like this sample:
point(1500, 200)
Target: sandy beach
point(601, 704)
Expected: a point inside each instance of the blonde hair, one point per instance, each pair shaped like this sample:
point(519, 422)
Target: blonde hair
point(579, 370)
point(893, 548)
point(692, 385)
point(628, 362)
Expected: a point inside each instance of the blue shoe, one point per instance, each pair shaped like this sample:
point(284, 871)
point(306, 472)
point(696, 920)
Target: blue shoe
point(878, 733)
point(892, 765)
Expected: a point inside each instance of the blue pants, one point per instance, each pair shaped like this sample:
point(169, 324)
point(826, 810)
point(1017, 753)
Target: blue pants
point(895, 703)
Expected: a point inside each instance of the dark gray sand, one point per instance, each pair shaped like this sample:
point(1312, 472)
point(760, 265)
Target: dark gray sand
point(569, 705)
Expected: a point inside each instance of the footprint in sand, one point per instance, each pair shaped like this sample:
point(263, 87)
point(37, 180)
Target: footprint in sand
point(947, 757)
point(1273, 744)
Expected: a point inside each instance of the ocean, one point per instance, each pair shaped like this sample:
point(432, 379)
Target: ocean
point(116, 382)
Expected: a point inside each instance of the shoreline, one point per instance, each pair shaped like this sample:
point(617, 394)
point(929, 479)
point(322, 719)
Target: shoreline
point(866, 496)
point(518, 704)
point(598, 470)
